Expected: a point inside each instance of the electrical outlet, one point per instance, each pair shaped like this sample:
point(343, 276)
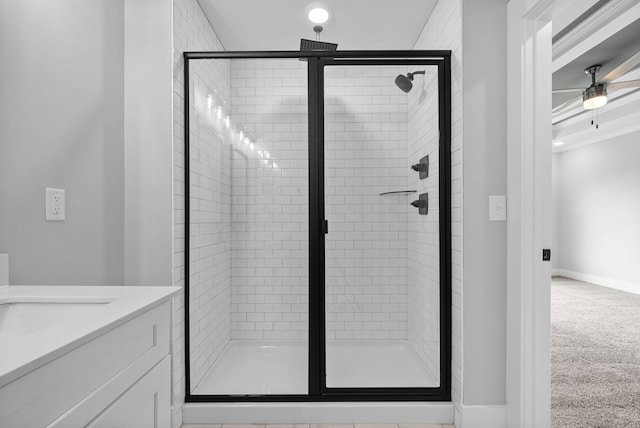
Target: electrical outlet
point(55, 204)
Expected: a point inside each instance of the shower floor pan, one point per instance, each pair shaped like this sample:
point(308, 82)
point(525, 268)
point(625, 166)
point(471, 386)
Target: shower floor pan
point(280, 367)
point(269, 367)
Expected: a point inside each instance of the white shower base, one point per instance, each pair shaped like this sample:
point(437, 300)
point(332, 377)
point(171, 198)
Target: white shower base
point(280, 367)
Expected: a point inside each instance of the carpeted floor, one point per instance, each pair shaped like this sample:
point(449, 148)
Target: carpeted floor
point(595, 356)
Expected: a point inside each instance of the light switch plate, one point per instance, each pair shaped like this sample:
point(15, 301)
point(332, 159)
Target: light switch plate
point(55, 204)
point(497, 208)
point(4, 269)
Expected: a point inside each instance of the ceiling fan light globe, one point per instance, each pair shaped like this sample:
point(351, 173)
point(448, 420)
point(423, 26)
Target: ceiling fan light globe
point(595, 102)
point(594, 97)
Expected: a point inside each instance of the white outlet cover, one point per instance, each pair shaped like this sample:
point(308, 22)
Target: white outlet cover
point(54, 204)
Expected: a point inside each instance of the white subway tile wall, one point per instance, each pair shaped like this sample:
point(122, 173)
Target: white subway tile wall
point(423, 236)
point(270, 213)
point(366, 154)
point(444, 31)
point(210, 317)
point(210, 214)
point(366, 247)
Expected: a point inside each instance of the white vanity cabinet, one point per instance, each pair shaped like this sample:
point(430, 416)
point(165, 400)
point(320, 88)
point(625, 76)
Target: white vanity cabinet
point(119, 378)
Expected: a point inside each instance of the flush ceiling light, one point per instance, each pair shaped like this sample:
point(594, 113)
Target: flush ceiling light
point(594, 96)
point(318, 15)
point(558, 143)
point(317, 12)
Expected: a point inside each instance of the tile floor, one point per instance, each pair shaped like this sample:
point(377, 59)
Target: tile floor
point(318, 426)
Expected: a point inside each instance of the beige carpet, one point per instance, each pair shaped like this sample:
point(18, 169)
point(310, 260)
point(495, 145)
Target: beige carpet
point(595, 356)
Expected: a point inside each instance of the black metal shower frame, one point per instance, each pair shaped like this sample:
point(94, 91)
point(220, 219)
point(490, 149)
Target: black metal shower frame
point(316, 61)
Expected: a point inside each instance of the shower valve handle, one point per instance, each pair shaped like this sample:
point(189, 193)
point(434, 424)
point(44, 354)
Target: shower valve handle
point(422, 203)
point(422, 167)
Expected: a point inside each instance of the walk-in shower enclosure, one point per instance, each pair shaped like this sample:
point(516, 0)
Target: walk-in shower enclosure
point(317, 226)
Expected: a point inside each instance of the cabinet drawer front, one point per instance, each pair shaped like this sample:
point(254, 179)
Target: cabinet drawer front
point(43, 395)
point(146, 404)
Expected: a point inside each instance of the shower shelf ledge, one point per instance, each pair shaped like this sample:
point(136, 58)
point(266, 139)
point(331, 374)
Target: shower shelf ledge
point(399, 192)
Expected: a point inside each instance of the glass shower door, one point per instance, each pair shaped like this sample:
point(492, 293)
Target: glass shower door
point(382, 283)
point(248, 227)
point(317, 267)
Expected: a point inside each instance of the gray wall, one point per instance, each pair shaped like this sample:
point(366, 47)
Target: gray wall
point(556, 252)
point(61, 125)
point(598, 210)
point(148, 145)
point(484, 114)
point(65, 123)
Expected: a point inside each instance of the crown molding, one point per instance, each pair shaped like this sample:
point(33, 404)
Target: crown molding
point(607, 21)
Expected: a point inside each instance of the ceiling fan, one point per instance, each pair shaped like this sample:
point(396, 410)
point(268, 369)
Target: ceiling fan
point(595, 96)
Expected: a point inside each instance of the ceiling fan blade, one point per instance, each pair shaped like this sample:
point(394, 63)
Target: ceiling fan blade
point(623, 68)
point(562, 91)
point(566, 105)
point(623, 85)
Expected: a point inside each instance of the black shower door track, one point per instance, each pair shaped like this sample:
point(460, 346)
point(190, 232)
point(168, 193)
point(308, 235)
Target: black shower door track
point(316, 60)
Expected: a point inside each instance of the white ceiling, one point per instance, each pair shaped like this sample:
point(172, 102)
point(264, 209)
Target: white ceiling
point(244, 25)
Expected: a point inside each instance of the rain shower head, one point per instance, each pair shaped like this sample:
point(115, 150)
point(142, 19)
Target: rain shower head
point(317, 45)
point(404, 82)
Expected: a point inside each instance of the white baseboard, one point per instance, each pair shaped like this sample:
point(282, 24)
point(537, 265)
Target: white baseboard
point(324, 413)
point(483, 417)
point(629, 287)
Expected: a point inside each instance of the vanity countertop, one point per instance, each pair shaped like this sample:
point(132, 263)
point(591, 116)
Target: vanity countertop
point(118, 304)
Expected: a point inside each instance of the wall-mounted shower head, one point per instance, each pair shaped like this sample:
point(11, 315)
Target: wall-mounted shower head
point(404, 82)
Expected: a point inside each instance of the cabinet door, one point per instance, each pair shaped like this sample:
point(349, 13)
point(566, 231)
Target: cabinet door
point(144, 405)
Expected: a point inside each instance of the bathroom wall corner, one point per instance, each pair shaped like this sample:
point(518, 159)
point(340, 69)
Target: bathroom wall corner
point(147, 143)
point(443, 30)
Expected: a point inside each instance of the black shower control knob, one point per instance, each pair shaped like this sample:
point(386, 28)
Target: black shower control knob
point(422, 167)
point(422, 203)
